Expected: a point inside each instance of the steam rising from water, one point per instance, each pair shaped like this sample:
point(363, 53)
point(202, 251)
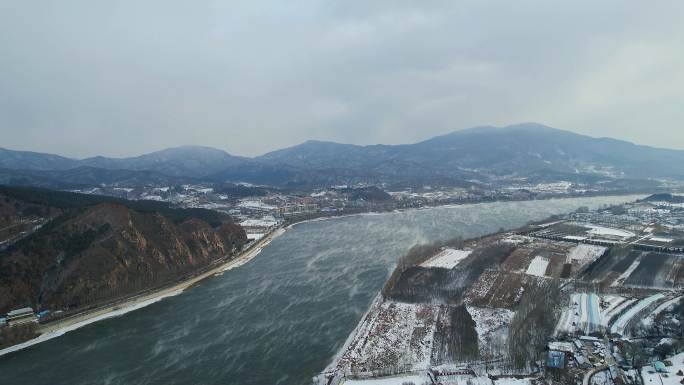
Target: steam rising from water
point(276, 320)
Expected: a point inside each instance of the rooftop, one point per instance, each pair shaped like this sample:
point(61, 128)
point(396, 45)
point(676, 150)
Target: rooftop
point(22, 311)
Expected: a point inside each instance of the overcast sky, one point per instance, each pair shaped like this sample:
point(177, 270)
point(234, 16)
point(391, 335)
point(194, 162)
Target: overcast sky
point(120, 78)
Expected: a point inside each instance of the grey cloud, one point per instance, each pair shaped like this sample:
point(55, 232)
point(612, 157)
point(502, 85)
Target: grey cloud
point(121, 78)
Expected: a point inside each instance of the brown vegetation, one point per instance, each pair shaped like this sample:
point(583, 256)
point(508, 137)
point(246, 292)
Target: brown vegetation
point(13, 335)
point(101, 252)
point(534, 320)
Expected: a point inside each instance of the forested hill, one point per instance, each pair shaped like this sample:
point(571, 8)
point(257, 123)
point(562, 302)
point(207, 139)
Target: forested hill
point(87, 249)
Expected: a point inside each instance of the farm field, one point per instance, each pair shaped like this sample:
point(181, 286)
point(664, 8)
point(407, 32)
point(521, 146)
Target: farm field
point(396, 334)
point(447, 259)
point(653, 271)
point(575, 300)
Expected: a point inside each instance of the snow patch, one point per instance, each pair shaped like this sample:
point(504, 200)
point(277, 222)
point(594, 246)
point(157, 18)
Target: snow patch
point(447, 259)
point(538, 266)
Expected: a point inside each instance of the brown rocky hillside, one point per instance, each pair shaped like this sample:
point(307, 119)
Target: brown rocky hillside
point(108, 250)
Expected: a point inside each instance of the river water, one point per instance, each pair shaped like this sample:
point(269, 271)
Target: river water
point(278, 319)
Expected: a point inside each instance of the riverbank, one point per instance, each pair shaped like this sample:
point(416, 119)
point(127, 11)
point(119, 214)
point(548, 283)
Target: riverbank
point(337, 215)
point(58, 327)
point(280, 318)
point(61, 326)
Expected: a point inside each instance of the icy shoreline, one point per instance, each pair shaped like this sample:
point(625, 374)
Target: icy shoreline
point(61, 327)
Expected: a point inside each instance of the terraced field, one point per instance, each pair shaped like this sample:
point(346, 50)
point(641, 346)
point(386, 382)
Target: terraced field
point(653, 271)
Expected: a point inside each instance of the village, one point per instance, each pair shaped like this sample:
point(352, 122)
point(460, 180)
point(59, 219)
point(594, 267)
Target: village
point(592, 297)
point(260, 207)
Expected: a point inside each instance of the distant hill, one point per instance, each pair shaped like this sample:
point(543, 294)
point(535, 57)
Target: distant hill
point(190, 161)
point(83, 177)
point(185, 161)
point(665, 197)
point(462, 158)
point(29, 160)
point(520, 150)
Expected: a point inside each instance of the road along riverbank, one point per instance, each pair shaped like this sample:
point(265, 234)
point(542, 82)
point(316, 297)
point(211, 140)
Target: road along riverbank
point(61, 326)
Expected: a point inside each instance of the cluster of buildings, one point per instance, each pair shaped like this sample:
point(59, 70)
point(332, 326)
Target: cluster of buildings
point(18, 317)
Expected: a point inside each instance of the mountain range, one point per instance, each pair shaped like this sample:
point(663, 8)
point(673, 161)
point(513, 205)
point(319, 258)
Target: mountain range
point(527, 151)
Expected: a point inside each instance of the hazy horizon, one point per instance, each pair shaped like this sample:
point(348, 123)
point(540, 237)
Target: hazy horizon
point(279, 148)
point(121, 79)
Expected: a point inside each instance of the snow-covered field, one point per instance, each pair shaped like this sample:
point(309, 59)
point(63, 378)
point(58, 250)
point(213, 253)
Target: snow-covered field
point(650, 376)
point(609, 314)
point(481, 380)
point(396, 334)
point(267, 221)
point(582, 314)
point(447, 258)
point(257, 205)
point(590, 307)
point(513, 381)
point(602, 378)
point(585, 254)
point(621, 323)
point(623, 277)
point(492, 328)
point(538, 266)
point(601, 230)
point(661, 308)
point(609, 304)
point(395, 380)
point(569, 315)
point(255, 236)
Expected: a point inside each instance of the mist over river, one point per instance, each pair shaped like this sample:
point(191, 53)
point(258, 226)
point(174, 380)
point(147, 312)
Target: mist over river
point(278, 319)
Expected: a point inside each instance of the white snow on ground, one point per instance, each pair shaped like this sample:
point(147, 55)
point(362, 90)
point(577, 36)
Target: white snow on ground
point(395, 334)
point(267, 221)
point(621, 323)
point(491, 326)
point(399, 380)
point(601, 230)
point(538, 266)
point(582, 314)
point(660, 239)
point(611, 302)
point(513, 381)
point(481, 380)
point(549, 224)
point(650, 376)
point(571, 317)
point(255, 236)
point(590, 307)
point(516, 239)
point(447, 258)
point(568, 316)
point(609, 314)
point(256, 205)
point(463, 380)
point(574, 238)
point(661, 308)
point(621, 279)
point(79, 324)
point(585, 253)
point(601, 378)
point(151, 197)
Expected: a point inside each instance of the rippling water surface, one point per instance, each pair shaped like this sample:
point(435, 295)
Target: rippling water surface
point(278, 319)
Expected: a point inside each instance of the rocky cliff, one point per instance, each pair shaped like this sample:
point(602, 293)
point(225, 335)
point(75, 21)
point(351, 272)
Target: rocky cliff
point(107, 250)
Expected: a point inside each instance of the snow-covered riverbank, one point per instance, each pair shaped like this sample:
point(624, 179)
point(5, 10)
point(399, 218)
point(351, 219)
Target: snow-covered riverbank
point(60, 327)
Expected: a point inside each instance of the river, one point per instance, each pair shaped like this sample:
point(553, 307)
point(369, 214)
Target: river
point(278, 319)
